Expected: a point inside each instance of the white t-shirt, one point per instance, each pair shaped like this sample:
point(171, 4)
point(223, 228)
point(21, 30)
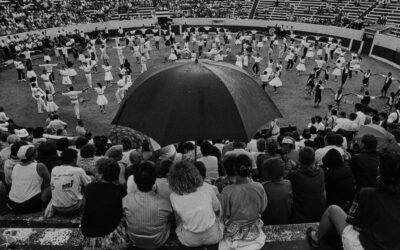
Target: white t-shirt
point(211, 164)
point(66, 183)
point(196, 209)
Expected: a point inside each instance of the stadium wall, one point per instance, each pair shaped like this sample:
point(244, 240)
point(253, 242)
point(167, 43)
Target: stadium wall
point(387, 49)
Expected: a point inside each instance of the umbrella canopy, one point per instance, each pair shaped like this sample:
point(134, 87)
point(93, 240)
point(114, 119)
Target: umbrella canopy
point(385, 139)
point(195, 101)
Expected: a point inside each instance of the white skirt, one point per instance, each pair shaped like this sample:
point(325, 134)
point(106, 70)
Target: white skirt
point(30, 74)
point(172, 57)
point(51, 107)
point(108, 76)
point(238, 42)
point(260, 44)
point(136, 54)
point(310, 54)
point(337, 72)
point(301, 67)
point(246, 61)
point(47, 58)
point(356, 67)
point(239, 64)
point(319, 52)
point(338, 51)
point(286, 58)
point(101, 100)
point(66, 80)
point(276, 42)
point(276, 82)
point(81, 58)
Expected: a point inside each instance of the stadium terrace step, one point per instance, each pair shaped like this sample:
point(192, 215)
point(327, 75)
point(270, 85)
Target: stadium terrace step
point(37, 220)
point(44, 238)
point(289, 237)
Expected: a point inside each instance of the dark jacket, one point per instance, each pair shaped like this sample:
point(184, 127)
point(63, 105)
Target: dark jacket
point(280, 202)
point(365, 168)
point(308, 194)
point(339, 186)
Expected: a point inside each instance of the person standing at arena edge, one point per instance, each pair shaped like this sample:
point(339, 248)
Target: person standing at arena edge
point(143, 63)
point(256, 65)
point(74, 97)
point(120, 93)
point(38, 94)
point(386, 85)
point(19, 66)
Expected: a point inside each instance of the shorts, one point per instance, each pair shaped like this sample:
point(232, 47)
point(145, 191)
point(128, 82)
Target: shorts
point(350, 239)
point(34, 204)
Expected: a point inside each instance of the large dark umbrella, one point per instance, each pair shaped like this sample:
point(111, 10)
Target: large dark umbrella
point(194, 101)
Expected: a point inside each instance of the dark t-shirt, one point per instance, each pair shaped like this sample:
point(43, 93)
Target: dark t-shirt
point(365, 169)
point(339, 185)
point(103, 209)
point(280, 201)
point(308, 195)
point(376, 215)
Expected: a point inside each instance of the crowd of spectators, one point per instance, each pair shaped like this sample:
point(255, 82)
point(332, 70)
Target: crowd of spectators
point(217, 191)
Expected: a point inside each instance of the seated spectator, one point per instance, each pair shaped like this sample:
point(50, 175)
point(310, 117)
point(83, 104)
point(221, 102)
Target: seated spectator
point(115, 152)
point(339, 180)
point(162, 185)
point(10, 163)
point(330, 142)
point(38, 138)
point(279, 193)
point(30, 183)
point(56, 124)
point(189, 152)
point(148, 214)
point(202, 170)
point(308, 189)
point(80, 142)
point(80, 129)
point(195, 205)
point(373, 220)
point(135, 158)
point(6, 151)
point(243, 226)
point(365, 164)
point(288, 147)
point(238, 149)
point(209, 161)
point(62, 144)
point(3, 116)
point(47, 154)
point(67, 182)
point(126, 150)
point(103, 212)
point(88, 159)
point(230, 178)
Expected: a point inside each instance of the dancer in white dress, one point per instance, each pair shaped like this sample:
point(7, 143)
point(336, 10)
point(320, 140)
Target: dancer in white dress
point(143, 64)
point(119, 49)
point(172, 56)
point(239, 60)
point(88, 73)
point(310, 52)
point(136, 52)
point(101, 98)
point(265, 77)
point(339, 67)
point(47, 83)
point(51, 107)
point(260, 44)
point(104, 55)
point(301, 67)
point(74, 98)
point(276, 81)
point(108, 75)
point(66, 79)
point(120, 93)
point(38, 94)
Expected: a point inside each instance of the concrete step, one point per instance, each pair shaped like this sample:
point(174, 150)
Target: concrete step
point(37, 220)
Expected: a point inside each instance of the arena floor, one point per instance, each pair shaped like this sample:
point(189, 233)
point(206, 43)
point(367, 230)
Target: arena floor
point(291, 99)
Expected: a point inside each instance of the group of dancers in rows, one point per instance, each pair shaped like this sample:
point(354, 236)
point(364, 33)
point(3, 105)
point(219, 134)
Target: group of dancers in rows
point(195, 45)
point(139, 45)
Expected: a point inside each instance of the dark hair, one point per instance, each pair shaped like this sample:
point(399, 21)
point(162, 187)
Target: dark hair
point(126, 143)
point(108, 168)
point(215, 152)
point(273, 168)
point(313, 130)
point(243, 166)
point(306, 156)
point(145, 176)
point(229, 165)
point(88, 151)
point(389, 168)
point(201, 167)
point(188, 146)
point(319, 142)
point(205, 148)
point(309, 143)
point(62, 144)
point(46, 149)
point(68, 156)
point(261, 145)
point(333, 159)
point(100, 148)
point(358, 106)
point(369, 141)
point(80, 142)
point(38, 132)
point(165, 165)
point(339, 140)
point(352, 116)
point(15, 147)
